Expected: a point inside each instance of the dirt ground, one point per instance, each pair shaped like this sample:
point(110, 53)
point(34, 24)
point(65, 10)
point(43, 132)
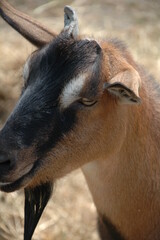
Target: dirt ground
point(71, 213)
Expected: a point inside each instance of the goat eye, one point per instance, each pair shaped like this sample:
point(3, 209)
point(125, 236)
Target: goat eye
point(87, 102)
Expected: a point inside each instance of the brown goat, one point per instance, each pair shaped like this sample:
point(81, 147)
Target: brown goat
point(84, 104)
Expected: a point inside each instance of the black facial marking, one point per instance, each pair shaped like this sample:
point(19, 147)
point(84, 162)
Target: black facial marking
point(35, 201)
point(38, 122)
point(37, 118)
point(64, 122)
point(93, 85)
point(107, 230)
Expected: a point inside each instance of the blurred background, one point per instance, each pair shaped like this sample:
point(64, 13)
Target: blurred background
point(70, 213)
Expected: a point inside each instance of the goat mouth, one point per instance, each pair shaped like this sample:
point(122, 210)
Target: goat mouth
point(36, 198)
point(21, 182)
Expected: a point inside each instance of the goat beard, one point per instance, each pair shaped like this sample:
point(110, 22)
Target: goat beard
point(36, 200)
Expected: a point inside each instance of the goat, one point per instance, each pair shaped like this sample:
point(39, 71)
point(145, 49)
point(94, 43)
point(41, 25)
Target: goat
point(88, 104)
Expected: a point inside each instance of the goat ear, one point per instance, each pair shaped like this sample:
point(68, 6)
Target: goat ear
point(28, 27)
point(70, 22)
point(125, 85)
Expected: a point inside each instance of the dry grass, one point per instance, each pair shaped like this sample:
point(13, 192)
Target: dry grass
point(71, 214)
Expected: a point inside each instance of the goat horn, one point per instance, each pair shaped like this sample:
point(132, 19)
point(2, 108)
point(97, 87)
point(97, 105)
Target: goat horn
point(70, 21)
point(28, 27)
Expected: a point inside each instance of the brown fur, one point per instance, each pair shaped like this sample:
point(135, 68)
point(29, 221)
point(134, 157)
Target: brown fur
point(107, 230)
point(121, 149)
point(120, 160)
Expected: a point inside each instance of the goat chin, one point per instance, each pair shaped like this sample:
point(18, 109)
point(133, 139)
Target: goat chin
point(36, 200)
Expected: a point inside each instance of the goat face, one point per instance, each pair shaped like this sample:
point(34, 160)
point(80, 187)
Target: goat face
point(45, 133)
point(63, 116)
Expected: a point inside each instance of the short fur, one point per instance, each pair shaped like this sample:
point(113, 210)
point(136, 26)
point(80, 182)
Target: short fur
point(116, 141)
point(107, 230)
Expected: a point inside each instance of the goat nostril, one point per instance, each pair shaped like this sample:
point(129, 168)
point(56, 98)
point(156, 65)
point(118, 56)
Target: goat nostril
point(2, 158)
point(5, 161)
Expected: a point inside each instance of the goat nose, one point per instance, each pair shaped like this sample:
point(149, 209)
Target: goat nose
point(6, 161)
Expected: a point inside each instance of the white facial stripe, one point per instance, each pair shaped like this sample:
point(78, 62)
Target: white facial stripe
point(72, 90)
point(26, 70)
